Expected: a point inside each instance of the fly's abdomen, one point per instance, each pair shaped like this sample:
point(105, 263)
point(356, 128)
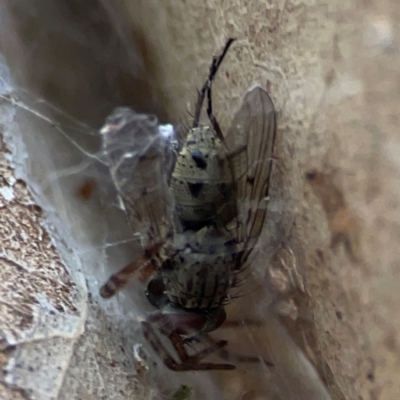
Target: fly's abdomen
point(201, 181)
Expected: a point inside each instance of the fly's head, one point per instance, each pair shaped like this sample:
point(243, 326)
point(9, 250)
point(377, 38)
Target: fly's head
point(189, 322)
point(199, 276)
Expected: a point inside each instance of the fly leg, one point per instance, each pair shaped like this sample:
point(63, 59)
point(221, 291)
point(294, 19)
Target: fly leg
point(228, 356)
point(207, 85)
point(186, 362)
point(140, 269)
point(210, 114)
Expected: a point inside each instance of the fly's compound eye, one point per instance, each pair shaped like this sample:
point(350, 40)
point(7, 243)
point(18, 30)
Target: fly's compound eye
point(155, 292)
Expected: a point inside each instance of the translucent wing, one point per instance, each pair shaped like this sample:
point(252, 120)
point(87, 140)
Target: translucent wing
point(250, 143)
point(140, 159)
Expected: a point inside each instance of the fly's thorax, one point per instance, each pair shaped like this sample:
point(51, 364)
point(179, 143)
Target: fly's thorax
point(207, 240)
point(201, 181)
point(199, 275)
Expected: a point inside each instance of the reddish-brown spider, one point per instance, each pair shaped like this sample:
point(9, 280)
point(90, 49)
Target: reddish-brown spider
point(199, 203)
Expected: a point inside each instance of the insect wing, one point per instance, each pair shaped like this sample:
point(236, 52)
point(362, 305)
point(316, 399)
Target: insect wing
point(250, 143)
point(140, 159)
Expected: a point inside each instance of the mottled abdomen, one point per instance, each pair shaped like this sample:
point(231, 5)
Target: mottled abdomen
point(201, 182)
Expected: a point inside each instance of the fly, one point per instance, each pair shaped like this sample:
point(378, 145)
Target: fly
point(199, 203)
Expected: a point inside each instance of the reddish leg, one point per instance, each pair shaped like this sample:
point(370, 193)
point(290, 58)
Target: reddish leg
point(140, 269)
point(187, 362)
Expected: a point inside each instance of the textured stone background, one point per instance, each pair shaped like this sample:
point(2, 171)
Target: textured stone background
point(331, 68)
